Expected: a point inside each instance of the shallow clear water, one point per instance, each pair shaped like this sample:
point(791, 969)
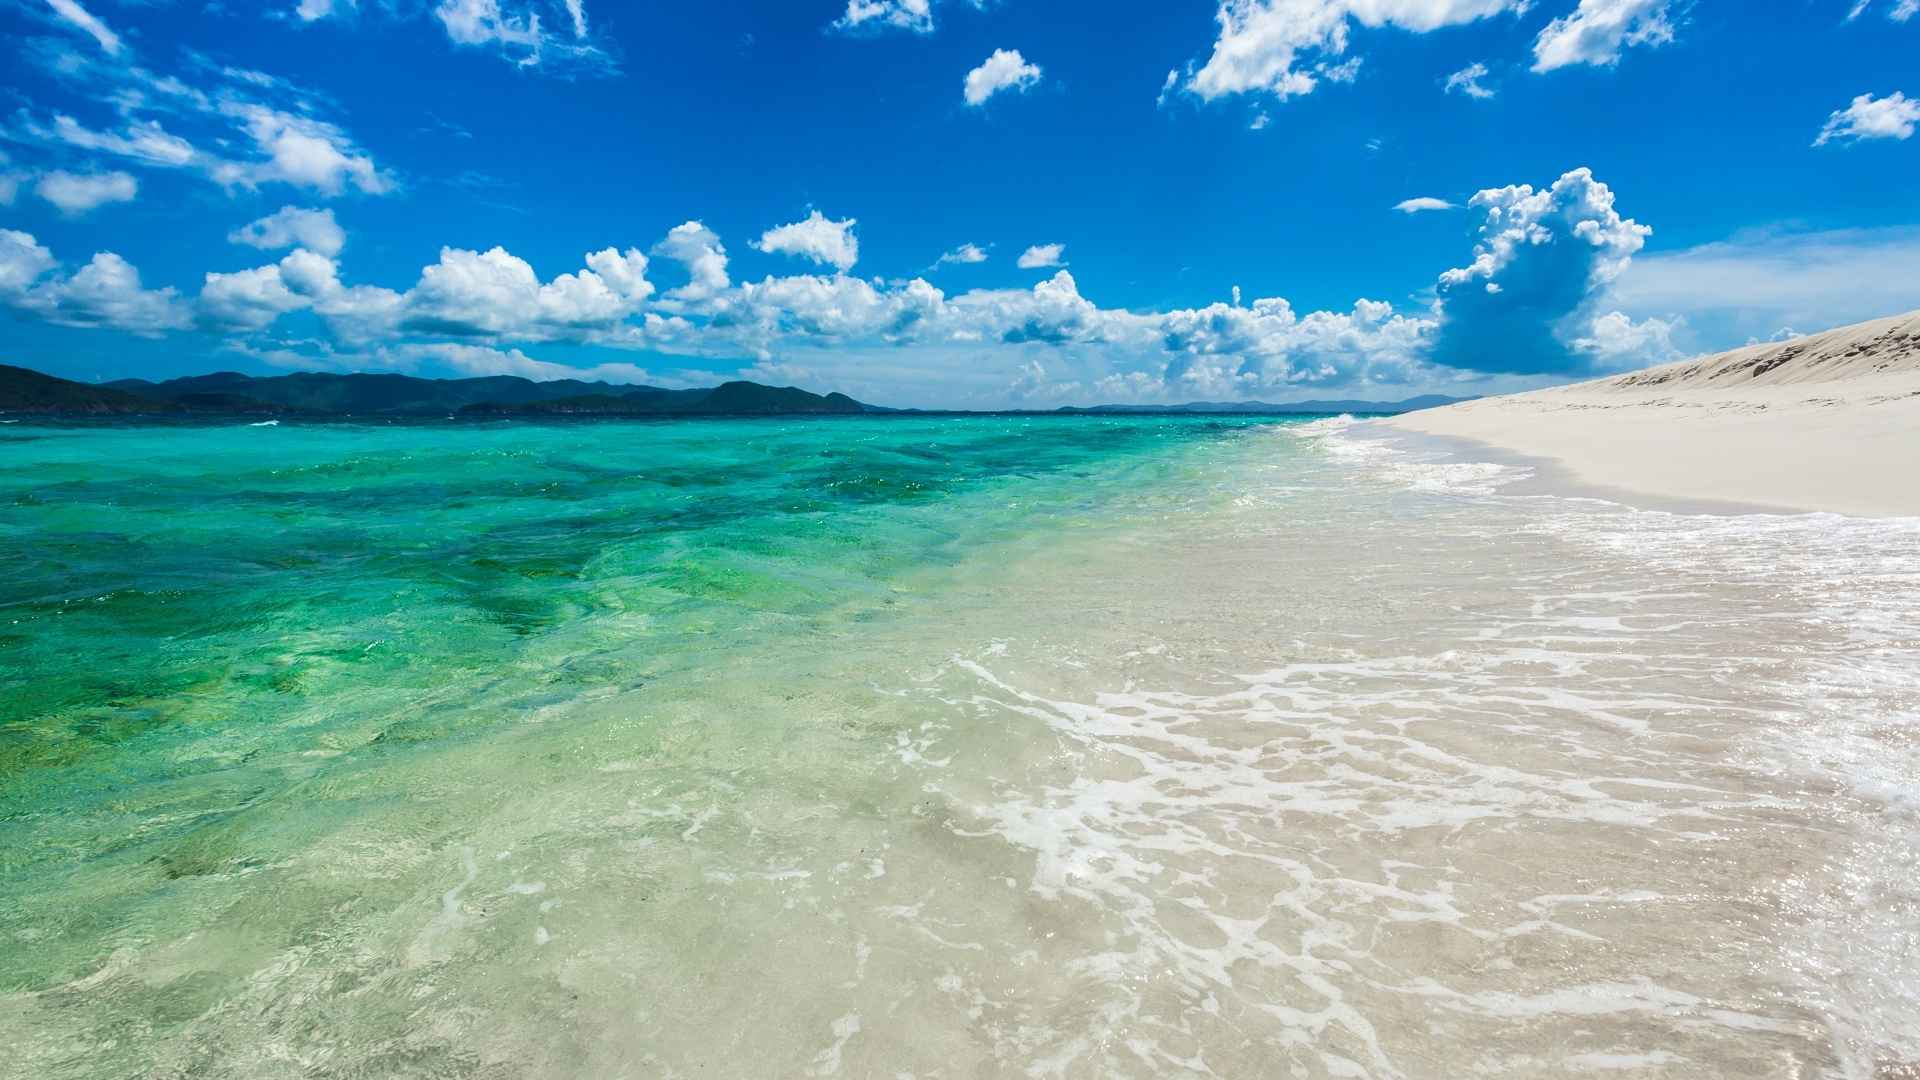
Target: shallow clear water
point(936, 748)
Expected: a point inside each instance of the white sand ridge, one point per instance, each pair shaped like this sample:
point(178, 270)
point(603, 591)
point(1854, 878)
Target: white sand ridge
point(1881, 349)
point(1827, 422)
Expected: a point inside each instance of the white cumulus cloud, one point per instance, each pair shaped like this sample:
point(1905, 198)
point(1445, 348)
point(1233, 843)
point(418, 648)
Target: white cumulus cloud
point(1425, 202)
point(305, 153)
point(490, 295)
point(292, 226)
point(1040, 255)
point(1538, 301)
point(1890, 117)
point(1229, 351)
point(77, 193)
point(1285, 47)
point(495, 294)
point(1006, 69)
point(1599, 30)
point(22, 261)
point(252, 299)
point(831, 243)
point(105, 293)
point(1526, 305)
point(698, 249)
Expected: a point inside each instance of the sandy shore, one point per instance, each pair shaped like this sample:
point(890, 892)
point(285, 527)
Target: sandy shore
point(1828, 422)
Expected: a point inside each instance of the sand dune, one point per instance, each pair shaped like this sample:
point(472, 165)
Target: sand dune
point(1828, 422)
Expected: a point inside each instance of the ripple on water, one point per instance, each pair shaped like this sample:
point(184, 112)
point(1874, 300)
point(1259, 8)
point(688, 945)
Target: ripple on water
point(940, 748)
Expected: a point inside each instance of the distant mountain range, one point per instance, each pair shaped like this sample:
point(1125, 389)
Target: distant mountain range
point(365, 394)
point(311, 393)
point(315, 393)
point(26, 391)
point(727, 399)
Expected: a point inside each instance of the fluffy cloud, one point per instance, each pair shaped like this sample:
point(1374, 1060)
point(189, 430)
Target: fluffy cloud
point(75, 194)
point(1227, 351)
point(472, 307)
point(106, 292)
point(1053, 312)
point(1006, 69)
point(1868, 117)
point(777, 312)
point(491, 295)
point(1599, 30)
point(1467, 81)
point(830, 243)
point(302, 152)
point(22, 261)
point(252, 299)
point(696, 248)
point(1285, 47)
point(1615, 342)
point(914, 15)
point(1533, 302)
point(494, 294)
point(1526, 305)
point(1414, 206)
point(1040, 255)
point(292, 226)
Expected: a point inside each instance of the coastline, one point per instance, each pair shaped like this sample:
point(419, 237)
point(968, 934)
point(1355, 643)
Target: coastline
point(1823, 424)
point(1550, 476)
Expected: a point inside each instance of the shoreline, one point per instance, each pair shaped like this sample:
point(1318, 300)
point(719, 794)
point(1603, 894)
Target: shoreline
point(1823, 424)
point(1553, 477)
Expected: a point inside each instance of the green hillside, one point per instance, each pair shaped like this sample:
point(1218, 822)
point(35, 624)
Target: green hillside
point(361, 393)
point(728, 399)
point(228, 392)
point(26, 391)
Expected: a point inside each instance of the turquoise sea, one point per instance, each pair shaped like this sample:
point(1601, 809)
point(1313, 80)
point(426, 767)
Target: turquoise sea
point(935, 747)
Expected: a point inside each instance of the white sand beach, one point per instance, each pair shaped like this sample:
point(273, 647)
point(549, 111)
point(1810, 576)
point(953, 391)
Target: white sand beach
point(1828, 422)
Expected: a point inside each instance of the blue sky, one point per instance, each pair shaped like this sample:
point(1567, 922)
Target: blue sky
point(1012, 202)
